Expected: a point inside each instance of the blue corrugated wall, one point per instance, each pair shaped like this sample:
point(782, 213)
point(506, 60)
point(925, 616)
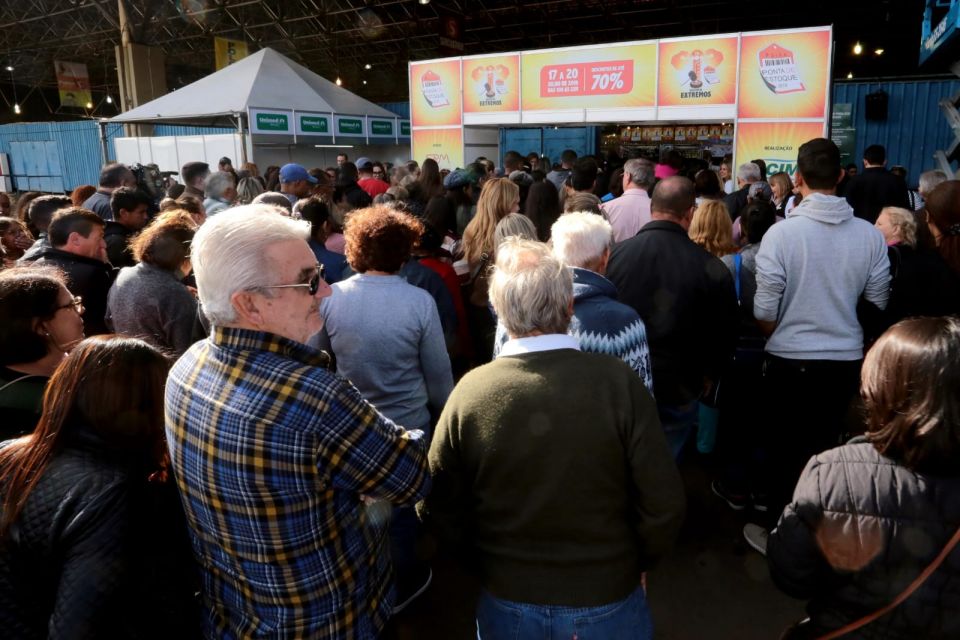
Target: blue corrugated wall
point(914, 127)
point(78, 146)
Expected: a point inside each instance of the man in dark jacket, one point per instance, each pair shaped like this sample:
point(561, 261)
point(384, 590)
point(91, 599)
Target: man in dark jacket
point(39, 214)
point(747, 174)
point(78, 248)
point(129, 216)
point(687, 301)
point(875, 188)
point(112, 177)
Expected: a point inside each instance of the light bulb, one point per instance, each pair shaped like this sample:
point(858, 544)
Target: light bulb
point(424, 1)
point(16, 109)
point(9, 68)
point(89, 105)
point(339, 82)
point(364, 82)
point(368, 66)
point(850, 76)
point(109, 100)
point(857, 49)
point(879, 52)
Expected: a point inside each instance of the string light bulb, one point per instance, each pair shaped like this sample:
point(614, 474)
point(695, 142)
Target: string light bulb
point(368, 66)
point(850, 76)
point(857, 49)
point(339, 82)
point(109, 100)
point(16, 108)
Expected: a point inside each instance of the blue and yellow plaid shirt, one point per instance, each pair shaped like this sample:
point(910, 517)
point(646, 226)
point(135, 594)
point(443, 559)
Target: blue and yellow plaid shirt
point(273, 453)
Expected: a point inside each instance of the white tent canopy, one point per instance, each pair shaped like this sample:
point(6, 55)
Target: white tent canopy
point(264, 79)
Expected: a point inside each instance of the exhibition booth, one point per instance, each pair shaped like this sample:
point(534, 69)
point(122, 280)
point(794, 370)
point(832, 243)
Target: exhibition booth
point(753, 95)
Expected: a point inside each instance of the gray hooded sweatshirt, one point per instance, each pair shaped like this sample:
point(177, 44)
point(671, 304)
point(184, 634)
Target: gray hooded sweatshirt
point(811, 270)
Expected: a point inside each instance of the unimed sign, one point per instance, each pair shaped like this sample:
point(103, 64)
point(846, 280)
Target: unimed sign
point(314, 124)
point(348, 126)
point(272, 122)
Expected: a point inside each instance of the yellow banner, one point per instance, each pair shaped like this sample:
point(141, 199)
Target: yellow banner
point(491, 84)
point(229, 51)
point(784, 75)
point(435, 93)
point(443, 145)
point(603, 77)
point(697, 72)
point(776, 143)
point(73, 83)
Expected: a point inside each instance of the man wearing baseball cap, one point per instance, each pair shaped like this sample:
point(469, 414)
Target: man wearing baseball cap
point(367, 182)
point(295, 182)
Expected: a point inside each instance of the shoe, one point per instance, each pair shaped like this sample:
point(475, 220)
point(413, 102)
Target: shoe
point(410, 589)
point(736, 501)
point(756, 536)
point(760, 502)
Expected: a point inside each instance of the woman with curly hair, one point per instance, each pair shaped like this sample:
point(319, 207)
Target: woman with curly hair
point(387, 340)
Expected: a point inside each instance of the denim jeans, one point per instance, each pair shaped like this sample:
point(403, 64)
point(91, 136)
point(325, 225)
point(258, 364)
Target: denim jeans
point(677, 422)
point(628, 619)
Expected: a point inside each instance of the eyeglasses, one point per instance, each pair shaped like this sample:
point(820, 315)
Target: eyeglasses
point(76, 302)
point(312, 287)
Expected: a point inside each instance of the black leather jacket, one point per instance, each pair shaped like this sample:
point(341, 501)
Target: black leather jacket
point(97, 552)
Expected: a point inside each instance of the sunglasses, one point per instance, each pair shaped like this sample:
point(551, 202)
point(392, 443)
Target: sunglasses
point(312, 287)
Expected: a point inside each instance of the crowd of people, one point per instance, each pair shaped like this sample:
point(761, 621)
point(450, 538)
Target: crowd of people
point(267, 389)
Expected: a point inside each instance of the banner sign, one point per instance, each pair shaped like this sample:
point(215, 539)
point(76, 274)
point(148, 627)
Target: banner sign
point(271, 121)
point(784, 74)
point(435, 93)
point(776, 143)
point(73, 82)
point(697, 71)
point(350, 126)
point(381, 128)
point(229, 51)
point(404, 128)
point(313, 124)
point(594, 77)
point(443, 145)
point(491, 84)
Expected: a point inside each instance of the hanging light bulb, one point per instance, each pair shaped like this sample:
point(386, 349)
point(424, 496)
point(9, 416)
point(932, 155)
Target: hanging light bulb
point(16, 109)
point(368, 66)
point(89, 105)
point(364, 82)
point(9, 68)
point(857, 49)
point(109, 100)
point(339, 82)
point(850, 76)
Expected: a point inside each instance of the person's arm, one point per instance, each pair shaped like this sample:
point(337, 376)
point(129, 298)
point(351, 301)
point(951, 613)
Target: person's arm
point(636, 352)
point(658, 496)
point(364, 452)
point(178, 319)
point(771, 283)
point(92, 582)
point(796, 563)
point(434, 361)
point(877, 289)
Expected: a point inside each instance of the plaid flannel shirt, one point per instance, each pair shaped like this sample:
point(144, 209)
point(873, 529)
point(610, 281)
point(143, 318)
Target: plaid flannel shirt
point(272, 454)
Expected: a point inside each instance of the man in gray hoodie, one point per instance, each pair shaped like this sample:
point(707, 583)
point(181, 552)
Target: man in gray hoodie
point(812, 269)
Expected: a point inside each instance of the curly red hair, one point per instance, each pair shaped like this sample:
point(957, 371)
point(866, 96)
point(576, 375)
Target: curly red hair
point(380, 238)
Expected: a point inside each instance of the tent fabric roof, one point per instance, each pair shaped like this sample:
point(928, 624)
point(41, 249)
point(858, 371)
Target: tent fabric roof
point(264, 79)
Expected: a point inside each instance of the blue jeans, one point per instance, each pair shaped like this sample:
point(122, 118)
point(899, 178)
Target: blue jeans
point(677, 422)
point(628, 619)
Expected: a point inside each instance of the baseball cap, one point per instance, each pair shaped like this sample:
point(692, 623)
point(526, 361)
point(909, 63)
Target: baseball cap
point(364, 163)
point(294, 172)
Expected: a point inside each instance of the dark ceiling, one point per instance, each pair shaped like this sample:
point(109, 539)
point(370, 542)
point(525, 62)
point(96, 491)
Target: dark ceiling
point(339, 37)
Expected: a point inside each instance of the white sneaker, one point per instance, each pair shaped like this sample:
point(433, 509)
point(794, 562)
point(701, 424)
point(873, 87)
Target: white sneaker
point(756, 536)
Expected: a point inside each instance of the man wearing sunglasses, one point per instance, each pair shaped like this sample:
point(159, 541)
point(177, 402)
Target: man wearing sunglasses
point(275, 455)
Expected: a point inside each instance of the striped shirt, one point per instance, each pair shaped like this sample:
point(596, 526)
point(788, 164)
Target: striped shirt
point(273, 455)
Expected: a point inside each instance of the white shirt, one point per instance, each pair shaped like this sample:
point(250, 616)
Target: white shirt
point(628, 213)
point(532, 344)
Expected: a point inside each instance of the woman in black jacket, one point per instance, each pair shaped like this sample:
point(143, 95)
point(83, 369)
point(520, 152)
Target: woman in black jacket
point(869, 517)
point(93, 542)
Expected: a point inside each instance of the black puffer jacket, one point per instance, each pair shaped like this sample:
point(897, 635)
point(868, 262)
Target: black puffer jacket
point(860, 529)
point(97, 552)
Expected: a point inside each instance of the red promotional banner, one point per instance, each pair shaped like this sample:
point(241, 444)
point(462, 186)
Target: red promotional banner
point(587, 79)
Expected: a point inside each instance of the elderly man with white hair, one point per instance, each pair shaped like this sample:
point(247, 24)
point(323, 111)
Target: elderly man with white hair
point(747, 174)
point(276, 456)
point(551, 470)
point(628, 213)
point(220, 192)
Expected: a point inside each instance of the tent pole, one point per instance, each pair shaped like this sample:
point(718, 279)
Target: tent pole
point(243, 142)
point(102, 125)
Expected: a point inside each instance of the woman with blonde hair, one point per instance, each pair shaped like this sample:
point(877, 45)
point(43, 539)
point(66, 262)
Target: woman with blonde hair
point(711, 228)
point(498, 198)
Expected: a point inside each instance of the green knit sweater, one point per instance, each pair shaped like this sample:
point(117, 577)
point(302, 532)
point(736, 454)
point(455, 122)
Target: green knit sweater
point(552, 471)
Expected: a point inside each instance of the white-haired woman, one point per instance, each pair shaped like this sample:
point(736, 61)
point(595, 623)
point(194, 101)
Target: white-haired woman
point(921, 282)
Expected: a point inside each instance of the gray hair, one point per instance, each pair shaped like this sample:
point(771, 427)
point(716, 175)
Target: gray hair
point(274, 199)
point(640, 170)
point(228, 255)
point(748, 172)
point(579, 239)
point(514, 225)
point(248, 189)
point(929, 180)
point(217, 184)
point(398, 192)
point(905, 222)
point(582, 201)
point(531, 290)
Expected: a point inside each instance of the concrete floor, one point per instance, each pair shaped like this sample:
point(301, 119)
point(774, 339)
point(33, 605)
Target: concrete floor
point(711, 586)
